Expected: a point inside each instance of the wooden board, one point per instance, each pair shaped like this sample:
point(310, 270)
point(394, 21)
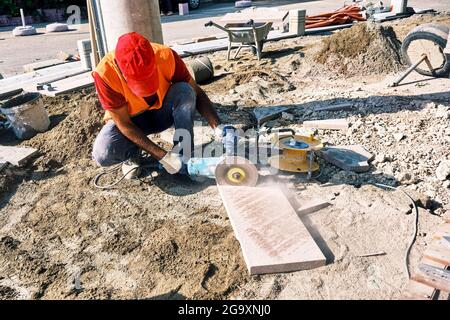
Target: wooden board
point(272, 236)
point(433, 277)
point(418, 291)
point(443, 230)
point(16, 156)
point(438, 252)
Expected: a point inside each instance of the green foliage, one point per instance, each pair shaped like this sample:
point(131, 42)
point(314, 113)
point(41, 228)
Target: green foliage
point(9, 7)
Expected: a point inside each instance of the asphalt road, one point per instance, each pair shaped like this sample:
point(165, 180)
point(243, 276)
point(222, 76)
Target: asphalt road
point(15, 52)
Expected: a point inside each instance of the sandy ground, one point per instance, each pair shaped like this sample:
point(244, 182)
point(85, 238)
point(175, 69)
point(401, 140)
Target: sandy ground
point(168, 238)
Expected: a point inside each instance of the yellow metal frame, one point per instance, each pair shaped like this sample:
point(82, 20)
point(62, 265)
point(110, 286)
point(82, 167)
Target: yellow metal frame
point(293, 159)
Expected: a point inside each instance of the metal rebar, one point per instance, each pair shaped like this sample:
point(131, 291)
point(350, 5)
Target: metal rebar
point(410, 69)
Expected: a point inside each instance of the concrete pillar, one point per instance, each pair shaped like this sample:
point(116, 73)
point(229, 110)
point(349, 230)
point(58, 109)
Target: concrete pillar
point(297, 19)
point(123, 16)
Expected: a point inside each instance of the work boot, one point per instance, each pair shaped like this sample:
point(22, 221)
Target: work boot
point(131, 168)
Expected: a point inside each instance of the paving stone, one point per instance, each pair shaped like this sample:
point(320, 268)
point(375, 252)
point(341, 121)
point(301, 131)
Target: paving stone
point(351, 158)
point(272, 236)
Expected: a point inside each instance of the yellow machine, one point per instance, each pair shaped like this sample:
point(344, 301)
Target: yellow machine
point(297, 153)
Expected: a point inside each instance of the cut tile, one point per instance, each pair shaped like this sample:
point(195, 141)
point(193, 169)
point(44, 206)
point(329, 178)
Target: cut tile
point(272, 236)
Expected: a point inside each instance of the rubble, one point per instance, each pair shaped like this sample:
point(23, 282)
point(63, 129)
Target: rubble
point(443, 170)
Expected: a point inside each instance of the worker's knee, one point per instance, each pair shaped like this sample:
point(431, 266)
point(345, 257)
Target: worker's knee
point(102, 153)
point(103, 149)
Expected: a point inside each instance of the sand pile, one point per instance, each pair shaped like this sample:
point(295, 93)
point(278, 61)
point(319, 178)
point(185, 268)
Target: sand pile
point(360, 50)
point(72, 138)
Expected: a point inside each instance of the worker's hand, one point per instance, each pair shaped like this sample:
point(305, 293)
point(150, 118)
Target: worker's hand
point(172, 162)
point(221, 131)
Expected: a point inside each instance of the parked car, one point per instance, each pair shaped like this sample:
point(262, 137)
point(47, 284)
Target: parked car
point(193, 4)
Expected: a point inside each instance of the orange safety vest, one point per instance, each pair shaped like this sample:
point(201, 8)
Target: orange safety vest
point(111, 75)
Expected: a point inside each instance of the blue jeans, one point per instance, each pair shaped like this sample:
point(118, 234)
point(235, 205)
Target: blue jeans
point(112, 147)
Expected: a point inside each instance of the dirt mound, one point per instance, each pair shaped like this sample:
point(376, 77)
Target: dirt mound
point(123, 244)
point(73, 131)
point(360, 50)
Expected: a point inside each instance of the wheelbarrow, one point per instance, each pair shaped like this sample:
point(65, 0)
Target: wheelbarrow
point(247, 34)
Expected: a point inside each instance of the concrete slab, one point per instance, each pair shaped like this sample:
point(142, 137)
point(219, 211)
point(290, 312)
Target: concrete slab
point(351, 158)
point(16, 156)
point(64, 86)
point(272, 236)
point(15, 83)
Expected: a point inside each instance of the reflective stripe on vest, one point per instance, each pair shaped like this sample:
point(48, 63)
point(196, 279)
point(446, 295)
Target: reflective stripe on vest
point(111, 75)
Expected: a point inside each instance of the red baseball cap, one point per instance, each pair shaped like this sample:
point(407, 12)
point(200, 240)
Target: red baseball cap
point(136, 60)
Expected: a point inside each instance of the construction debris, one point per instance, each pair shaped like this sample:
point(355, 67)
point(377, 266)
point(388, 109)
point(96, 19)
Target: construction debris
point(263, 115)
point(331, 124)
point(16, 156)
point(443, 170)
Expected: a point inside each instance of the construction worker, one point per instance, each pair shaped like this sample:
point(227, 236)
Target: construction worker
point(145, 88)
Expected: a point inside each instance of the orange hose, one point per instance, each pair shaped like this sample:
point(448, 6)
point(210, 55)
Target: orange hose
point(343, 15)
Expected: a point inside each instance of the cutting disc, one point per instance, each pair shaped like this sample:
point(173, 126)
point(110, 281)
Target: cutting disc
point(236, 171)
